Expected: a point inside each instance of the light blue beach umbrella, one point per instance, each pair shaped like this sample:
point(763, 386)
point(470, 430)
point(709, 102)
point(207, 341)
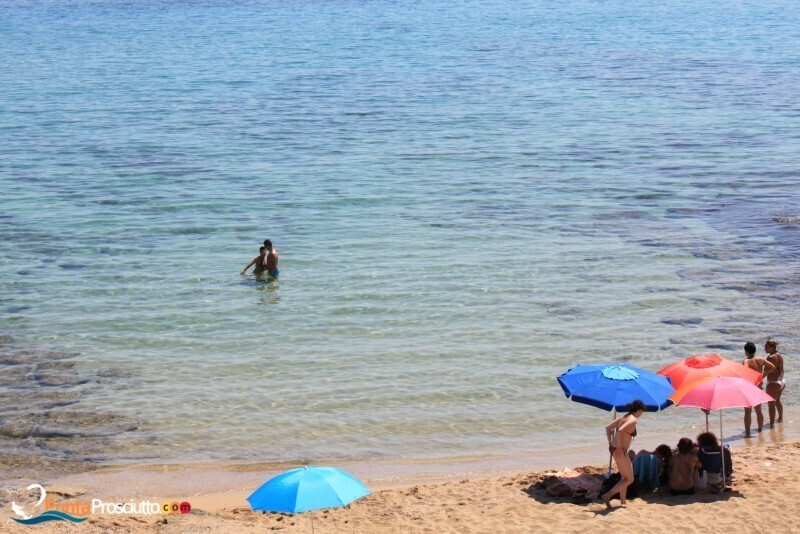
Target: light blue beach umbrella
point(306, 489)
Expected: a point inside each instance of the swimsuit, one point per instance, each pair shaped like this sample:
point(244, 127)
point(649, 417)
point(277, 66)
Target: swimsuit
point(276, 272)
point(633, 435)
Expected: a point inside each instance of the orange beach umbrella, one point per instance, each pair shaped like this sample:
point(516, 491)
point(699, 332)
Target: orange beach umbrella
point(701, 366)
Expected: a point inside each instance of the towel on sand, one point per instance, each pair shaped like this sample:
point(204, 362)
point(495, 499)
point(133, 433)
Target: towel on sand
point(573, 480)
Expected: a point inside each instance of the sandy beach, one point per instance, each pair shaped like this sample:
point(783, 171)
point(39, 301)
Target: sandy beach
point(762, 494)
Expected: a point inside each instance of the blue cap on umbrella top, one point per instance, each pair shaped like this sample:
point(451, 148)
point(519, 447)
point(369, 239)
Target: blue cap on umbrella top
point(618, 372)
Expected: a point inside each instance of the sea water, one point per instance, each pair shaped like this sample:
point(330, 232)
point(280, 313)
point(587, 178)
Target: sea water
point(468, 198)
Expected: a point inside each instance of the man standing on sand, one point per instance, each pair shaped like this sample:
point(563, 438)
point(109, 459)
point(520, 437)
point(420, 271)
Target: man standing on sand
point(764, 367)
point(271, 261)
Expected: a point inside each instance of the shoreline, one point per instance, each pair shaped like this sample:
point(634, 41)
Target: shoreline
point(174, 480)
point(198, 478)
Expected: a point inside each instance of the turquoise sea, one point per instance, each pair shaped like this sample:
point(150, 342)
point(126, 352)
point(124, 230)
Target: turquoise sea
point(468, 199)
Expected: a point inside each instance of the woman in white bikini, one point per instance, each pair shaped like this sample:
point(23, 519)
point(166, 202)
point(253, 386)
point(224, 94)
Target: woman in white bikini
point(618, 443)
point(775, 381)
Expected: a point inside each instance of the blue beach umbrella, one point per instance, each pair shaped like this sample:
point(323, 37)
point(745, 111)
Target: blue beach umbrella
point(613, 386)
point(306, 489)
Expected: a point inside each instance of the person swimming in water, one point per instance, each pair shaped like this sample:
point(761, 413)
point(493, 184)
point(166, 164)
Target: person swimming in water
point(260, 263)
point(271, 263)
point(620, 433)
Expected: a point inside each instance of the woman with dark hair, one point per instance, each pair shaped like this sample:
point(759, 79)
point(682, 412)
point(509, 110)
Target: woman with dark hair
point(763, 366)
point(664, 454)
point(652, 473)
point(620, 433)
point(710, 453)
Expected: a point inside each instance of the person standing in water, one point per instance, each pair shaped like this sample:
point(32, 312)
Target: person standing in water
point(259, 261)
point(764, 367)
point(271, 262)
point(618, 443)
point(775, 381)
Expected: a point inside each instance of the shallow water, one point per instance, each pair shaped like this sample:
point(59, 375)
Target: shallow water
point(468, 199)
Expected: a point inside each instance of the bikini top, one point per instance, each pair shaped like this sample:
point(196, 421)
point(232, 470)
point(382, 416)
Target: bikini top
point(633, 434)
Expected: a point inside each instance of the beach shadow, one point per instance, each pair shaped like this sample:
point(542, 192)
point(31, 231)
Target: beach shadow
point(666, 499)
point(704, 497)
point(548, 489)
point(538, 491)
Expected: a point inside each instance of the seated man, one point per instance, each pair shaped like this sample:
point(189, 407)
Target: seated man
point(683, 469)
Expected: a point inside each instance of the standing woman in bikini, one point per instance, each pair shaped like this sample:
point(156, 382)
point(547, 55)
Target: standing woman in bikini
point(775, 381)
point(765, 368)
point(618, 443)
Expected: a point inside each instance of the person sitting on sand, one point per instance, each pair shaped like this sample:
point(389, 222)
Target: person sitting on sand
point(683, 469)
point(775, 381)
point(763, 366)
point(259, 261)
point(664, 454)
point(708, 452)
point(620, 433)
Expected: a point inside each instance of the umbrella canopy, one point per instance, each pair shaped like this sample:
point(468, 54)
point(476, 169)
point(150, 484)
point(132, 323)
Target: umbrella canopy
point(613, 386)
point(707, 365)
point(720, 392)
point(307, 488)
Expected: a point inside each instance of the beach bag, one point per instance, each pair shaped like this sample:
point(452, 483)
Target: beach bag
point(610, 482)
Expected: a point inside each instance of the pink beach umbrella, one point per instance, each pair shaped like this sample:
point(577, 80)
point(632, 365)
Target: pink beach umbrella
point(701, 366)
point(718, 393)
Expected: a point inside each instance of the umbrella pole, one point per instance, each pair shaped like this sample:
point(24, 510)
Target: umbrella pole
point(707, 420)
point(722, 451)
point(610, 455)
point(311, 516)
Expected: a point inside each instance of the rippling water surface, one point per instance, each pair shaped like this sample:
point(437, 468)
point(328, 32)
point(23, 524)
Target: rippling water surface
point(468, 198)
